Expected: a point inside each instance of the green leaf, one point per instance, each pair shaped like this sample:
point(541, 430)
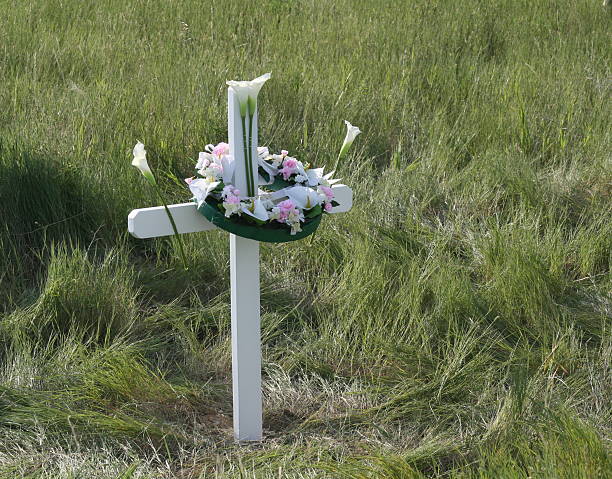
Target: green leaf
point(312, 212)
point(264, 174)
point(279, 184)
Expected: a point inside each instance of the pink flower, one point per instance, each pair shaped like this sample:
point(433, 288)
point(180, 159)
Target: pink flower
point(230, 190)
point(328, 192)
point(284, 152)
point(289, 167)
point(286, 205)
point(221, 149)
point(327, 207)
point(287, 172)
point(188, 180)
point(232, 199)
point(286, 208)
point(290, 163)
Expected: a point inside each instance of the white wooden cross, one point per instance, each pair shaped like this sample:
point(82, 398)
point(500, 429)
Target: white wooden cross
point(244, 278)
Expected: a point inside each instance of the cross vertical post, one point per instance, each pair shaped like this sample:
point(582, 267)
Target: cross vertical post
point(246, 344)
point(244, 277)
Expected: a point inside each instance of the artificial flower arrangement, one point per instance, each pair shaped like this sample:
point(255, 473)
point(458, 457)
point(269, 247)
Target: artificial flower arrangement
point(291, 196)
point(287, 200)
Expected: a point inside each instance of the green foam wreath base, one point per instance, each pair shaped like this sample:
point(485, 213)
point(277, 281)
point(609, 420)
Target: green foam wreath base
point(268, 233)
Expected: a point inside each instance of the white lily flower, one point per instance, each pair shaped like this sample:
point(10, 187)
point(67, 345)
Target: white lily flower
point(213, 170)
point(314, 176)
point(274, 213)
point(351, 134)
point(268, 168)
point(227, 162)
point(279, 194)
point(300, 169)
point(204, 159)
point(256, 209)
point(247, 92)
point(231, 208)
point(263, 152)
point(201, 188)
point(304, 197)
point(328, 180)
point(140, 162)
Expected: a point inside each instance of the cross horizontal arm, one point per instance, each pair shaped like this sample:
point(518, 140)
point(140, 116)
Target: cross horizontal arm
point(343, 195)
point(153, 222)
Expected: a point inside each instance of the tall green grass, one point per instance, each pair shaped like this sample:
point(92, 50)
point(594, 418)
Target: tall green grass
point(455, 323)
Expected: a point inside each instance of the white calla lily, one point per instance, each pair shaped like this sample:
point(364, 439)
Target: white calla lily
point(201, 188)
point(140, 162)
point(241, 89)
point(257, 210)
point(351, 134)
point(268, 168)
point(279, 194)
point(303, 196)
point(247, 92)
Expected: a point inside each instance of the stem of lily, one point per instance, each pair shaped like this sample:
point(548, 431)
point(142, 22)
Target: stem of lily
point(176, 233)
point(253, 185)
point(337, 161)
point(342, 153)
point(246, 159)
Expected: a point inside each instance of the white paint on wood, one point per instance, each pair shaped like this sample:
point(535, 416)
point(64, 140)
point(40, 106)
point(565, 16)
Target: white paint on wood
point(153, 222)
point(246, 344)
point(344, 196)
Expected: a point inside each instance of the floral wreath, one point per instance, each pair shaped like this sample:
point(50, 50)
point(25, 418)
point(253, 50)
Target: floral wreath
point(291, 196)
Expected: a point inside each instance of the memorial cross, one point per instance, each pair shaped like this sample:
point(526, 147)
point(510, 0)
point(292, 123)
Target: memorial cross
point(244, 278)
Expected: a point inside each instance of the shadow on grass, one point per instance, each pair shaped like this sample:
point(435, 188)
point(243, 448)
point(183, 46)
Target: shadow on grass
point(42, 202)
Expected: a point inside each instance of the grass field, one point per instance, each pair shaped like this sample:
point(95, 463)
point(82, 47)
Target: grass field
point(456, 323)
